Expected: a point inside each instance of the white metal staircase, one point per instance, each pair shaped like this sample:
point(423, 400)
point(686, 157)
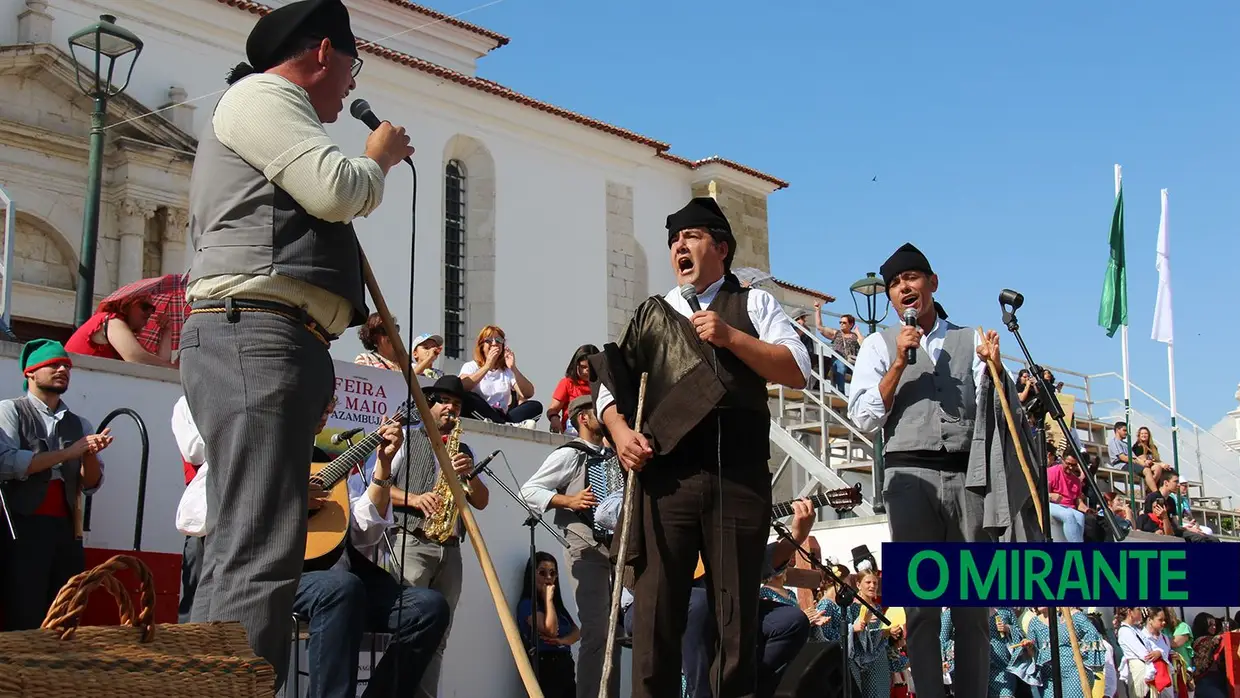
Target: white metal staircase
point(816, 445)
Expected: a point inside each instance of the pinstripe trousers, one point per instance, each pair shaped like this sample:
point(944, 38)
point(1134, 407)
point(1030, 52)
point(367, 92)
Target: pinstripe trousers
point(257, 387)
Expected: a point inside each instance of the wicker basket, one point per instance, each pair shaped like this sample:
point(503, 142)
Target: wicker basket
point(133, 660)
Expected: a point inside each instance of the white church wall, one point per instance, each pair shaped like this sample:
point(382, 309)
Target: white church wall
point(549, 288)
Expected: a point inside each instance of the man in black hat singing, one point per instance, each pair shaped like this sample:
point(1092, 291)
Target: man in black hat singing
point(927, 409)
point(276, 276)
point(704, 487)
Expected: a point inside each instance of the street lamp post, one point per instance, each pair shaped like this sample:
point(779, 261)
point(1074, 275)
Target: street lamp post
point(871, 288)
point(107, 42)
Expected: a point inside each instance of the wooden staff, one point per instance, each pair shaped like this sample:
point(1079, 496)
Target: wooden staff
point(506, 619)
point(613, 619)
point(1064, 613)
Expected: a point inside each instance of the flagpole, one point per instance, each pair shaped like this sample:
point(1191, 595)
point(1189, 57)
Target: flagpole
point(1123, 340)
point(1175, 430)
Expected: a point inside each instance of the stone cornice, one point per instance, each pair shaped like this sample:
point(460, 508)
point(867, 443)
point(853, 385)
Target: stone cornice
point(48, 62)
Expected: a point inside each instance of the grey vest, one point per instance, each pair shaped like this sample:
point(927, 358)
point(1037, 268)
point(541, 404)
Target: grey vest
point(240, 223)
point(935, 404)
point(24, 496)
point(576, 528)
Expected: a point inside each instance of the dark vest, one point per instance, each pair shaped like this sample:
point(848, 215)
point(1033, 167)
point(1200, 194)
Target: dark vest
point(743, 419)
point(241, 223)
point(24, 496)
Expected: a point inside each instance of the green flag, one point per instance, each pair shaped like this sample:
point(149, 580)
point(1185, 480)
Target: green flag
point(1113, 312)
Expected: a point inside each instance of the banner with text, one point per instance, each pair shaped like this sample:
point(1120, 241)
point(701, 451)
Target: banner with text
point(1061, 574)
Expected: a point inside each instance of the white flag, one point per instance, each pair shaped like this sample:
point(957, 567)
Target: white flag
point(1162, 307)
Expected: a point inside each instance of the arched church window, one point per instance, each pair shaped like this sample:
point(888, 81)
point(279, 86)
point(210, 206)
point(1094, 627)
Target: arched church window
point(454, 259)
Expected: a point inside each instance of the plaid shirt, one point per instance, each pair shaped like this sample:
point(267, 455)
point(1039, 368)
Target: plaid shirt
point(373, 358)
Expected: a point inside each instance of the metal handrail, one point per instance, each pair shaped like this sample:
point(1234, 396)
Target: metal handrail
point(1179, 417)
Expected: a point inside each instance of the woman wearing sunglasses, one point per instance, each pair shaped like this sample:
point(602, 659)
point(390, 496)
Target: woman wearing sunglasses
point(111, 333)
point(498, 391)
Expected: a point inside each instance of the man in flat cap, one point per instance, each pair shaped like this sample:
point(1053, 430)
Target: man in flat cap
point(276, 276)
point(704, 487)
point(572, 481)
point(928, 410)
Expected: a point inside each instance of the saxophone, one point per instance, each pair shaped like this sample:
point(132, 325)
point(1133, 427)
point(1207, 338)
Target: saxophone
point(441, 526)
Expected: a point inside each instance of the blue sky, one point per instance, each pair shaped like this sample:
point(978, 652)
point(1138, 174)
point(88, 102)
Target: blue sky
point(992, 129)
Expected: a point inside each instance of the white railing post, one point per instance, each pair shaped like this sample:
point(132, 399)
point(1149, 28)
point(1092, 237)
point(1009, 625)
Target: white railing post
point(6, 266)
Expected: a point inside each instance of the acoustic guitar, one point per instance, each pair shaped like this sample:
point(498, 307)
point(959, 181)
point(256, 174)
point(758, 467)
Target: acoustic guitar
point(841, 500)
point(329, 524)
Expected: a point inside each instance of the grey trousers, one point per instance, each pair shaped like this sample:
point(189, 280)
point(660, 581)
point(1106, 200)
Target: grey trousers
point(591, 571)
point(933, 506)
point(429, 565)
point(257, 388)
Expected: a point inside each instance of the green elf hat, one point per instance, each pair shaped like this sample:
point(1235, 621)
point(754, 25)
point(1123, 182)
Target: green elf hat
point(38, 353)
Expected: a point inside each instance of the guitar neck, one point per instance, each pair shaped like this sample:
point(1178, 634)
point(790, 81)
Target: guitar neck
point(784, 509)
point(355, 455)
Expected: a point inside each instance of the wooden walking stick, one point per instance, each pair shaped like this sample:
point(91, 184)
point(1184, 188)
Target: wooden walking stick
point(1037, 504)
point(613, 619)
point(506, 619)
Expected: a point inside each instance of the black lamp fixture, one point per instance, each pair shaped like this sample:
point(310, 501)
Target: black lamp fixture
point(870, 288)
point(103, 44)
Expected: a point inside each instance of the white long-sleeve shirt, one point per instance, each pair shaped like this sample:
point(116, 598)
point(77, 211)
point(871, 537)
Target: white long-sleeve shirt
point(366, 526)
point(865, 402)
point(553, 475)
point(767, 315)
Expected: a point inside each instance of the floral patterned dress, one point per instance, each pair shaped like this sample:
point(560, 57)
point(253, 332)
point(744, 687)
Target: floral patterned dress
point(1092, 651)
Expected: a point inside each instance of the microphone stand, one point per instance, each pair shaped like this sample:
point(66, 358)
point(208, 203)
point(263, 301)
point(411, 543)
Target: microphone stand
point(531, 521)
point(1010, 302)
point(847, 594)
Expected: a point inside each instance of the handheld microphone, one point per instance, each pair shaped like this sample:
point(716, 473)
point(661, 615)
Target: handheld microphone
point(346, 435)
point(910, 319)
point(360, 110)
point(690, 295)
point(481, 466)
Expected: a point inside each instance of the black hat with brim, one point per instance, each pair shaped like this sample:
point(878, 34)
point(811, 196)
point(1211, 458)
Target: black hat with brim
point(446, 385)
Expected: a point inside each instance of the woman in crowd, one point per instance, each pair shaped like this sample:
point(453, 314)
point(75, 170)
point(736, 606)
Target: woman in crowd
point(827, 619)
point(1119, 506)
point(870, 657)
point(1110, 676)
point(556, 631)
point(1066, 674)
point(1209, 664)
point(574, 384)
point(1180, 637)
point(1146, 668)
point(845, 342)
point(1145, 455)
point(379, 350)
point(498, 391)
point(1005, 636)
point(111, 333)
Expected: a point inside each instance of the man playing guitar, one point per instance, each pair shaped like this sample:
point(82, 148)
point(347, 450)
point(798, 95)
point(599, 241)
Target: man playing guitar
point(351, 594)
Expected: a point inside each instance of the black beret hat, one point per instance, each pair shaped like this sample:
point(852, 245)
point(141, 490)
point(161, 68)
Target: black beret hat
point(907, 258)
point(703, 212)
point(278, 31)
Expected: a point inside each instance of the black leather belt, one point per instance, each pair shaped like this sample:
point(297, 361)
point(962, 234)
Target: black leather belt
point(233, 307)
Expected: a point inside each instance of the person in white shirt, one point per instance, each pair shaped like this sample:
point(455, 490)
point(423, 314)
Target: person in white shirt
point(353, 594)
point(498, 391)
point(571, 482)
point(926, 406)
